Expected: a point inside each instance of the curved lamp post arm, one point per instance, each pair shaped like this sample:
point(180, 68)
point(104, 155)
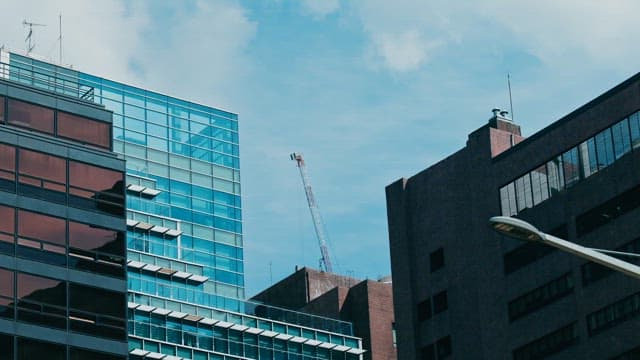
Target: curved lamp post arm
point(524, 231)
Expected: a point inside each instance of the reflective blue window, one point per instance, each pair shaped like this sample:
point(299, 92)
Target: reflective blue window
point(571, 166)
point(621, 138)
point(634, 124)
point(134, 124)
point(158, 143)
point(180, 187)
point(135, 137)
point(604, 148)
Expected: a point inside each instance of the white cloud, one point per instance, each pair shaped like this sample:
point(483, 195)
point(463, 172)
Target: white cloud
point(321, 8)
point(405, 51)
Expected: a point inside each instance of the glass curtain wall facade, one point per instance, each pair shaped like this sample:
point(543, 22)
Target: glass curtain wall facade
point(184, 230)
point(62, 230)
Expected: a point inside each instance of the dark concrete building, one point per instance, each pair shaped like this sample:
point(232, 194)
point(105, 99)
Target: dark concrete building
point(367, 304)
point(62, 227)
point(463, 291)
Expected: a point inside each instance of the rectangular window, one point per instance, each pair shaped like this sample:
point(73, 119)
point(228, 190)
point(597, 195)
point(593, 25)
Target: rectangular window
point(607, 211)
point(83, 354)
point(604, 148)
point(41, 175)
point(41, 238)
point(540, 296)
point(592, 272)
point(428, 352)
point(555, 172)
point(613, 314)
point(7, 229)
point(634, 125)
point(440, 302)
point(443, 347)
point(589, 157)
point(6, 294)
point(42, 300)
point(571, 166)
point(6, 344)
point(97, 311)
point(549, 344)
point(97, 188)
point(424, 310)
point(436, 259)
point(29, 349)
point(524, 196)
point(84, 130)
point(621, 138)
point(539, 184)
point(7, 168)
point(30, 116)
point(2, 112)
point(508, 200)
point(96, 249)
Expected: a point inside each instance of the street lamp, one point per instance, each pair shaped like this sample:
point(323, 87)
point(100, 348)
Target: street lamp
point(522, 230)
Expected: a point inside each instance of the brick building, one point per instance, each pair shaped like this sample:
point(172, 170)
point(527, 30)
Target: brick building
point(460, 288)
point(367, 304)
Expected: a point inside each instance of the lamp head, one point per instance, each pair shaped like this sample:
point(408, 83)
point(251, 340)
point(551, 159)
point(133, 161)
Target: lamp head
point(515, 228)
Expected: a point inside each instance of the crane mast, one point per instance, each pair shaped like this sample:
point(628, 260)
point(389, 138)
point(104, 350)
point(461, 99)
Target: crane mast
point(325, 261)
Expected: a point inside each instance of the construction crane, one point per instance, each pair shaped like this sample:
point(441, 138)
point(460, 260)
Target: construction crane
point(318, 224)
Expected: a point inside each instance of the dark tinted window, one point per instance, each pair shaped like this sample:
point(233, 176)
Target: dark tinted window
point(93, 238)
point(1, 109)
point(97, 312)
point(7, 167)
point(548, 344)
point(7, 224)
point(42, 290)
point(444, 347)
point(424, 310)
point(42, 301)
point(105, 188)
point(437, 259)
point(84, 130)
point(6, 295)
point(6, 346)
point(440, 302)
point(82, 354)
point(607, 211)
point(35, 166)
point(540, 296)
point(428, 352)
point(30, 116)
point(41, 227)
point(29, 349)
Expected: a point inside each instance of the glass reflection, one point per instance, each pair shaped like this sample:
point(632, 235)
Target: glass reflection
point(92, 238)
point(104, 188)
point(41, 227)
point(84, 130)
point(30, 116)
point(7, 167)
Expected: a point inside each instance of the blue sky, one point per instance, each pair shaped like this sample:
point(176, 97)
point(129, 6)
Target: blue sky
point(369, 91)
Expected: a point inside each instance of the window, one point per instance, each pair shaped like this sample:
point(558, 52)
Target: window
point(2, 112)
point(443, 347)
point(436, 259)
point(42, 175)
point(621, 138)
point(540, 296)
point(424, 310)
point(6, 294)
point(523, 192)
point(530, 252)
point(548, 344)
point(440, 302)
point(83, 354)
point(42, 237)
point(539, 184)
point(84, 130)
point(96, 249)
point(30, 116)
point(97, 311)
point(589, 157)
point(604, 148)
point(6, 344)
point(7, 167)
point(42, 300)
point(634, 125)
point(571, 166)
point(96, 188)
point(555, 171)
point(7, 229)
point(629, 355)
point(607, 211)
point(613, 314)
point(29, 349)
point(428, 352)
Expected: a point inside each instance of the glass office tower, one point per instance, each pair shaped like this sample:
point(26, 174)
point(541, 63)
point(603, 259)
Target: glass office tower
point(62, 229)
point(184, 230)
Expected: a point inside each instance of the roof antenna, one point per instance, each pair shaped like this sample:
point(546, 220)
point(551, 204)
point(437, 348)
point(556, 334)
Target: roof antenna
point(60, 35)
point(513, 118)
point(30, 46)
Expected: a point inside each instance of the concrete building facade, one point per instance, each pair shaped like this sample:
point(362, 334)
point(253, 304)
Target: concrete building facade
point(460, 288)
point(367, 304)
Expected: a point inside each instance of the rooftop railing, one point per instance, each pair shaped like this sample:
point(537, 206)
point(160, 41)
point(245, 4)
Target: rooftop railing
point(47, 79)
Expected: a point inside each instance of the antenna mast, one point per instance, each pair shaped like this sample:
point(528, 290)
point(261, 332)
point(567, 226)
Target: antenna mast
point(325, 261)
point(513, 118)
point(30, 46)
